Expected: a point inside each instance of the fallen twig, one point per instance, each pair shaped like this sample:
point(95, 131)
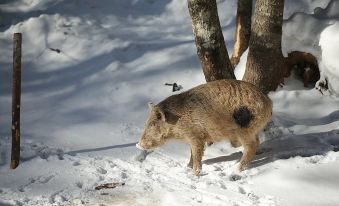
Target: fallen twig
point(55, 50)
point(109, 185)
point(175, 87)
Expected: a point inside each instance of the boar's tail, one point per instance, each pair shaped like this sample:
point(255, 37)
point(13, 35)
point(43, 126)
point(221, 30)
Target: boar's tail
point(242, 116)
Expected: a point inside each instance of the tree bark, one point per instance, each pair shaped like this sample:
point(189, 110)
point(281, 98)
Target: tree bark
point(15, 157)
point(209, 40)
point(242, 30)
point(265, 62)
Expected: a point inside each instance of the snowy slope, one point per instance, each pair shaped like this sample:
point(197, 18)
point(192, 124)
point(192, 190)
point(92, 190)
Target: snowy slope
point(83, 109)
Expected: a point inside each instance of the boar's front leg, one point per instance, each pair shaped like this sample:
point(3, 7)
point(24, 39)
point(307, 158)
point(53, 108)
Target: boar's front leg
point(197, 151)
point(190, 163)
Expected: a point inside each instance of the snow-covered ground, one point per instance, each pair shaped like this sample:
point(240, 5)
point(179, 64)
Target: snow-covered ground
point(83, 109)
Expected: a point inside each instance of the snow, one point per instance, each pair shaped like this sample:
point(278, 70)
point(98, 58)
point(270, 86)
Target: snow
point(328, 42)
point(316, 35)
point(288, 183)
point(83, 109)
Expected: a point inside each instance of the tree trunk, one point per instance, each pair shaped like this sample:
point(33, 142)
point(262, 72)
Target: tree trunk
point(209, 40)
point(242, 30)
point(265, 62)
point(15, 157)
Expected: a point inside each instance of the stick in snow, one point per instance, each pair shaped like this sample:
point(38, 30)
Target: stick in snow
point(175, 87)
point(109, 185)
point(55, 50)
point(17, 39)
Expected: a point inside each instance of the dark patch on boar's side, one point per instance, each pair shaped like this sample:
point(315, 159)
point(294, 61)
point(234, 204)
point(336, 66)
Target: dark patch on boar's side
point(242, 116)
point(171, 118)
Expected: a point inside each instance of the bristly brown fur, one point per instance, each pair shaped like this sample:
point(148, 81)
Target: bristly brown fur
point(209, 113)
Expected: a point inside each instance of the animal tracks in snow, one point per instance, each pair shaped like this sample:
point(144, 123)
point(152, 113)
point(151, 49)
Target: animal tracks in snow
point(36, 180)
point(160, 175)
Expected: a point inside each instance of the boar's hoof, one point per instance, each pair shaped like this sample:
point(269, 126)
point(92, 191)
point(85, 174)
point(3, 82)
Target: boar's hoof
point(237, 168)
point(241, 167)
point(197, 172)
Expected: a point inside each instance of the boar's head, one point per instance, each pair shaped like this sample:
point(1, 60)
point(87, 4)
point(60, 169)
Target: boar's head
point(156, 129)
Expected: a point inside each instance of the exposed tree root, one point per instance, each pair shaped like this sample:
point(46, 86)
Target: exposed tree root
point(305, 66)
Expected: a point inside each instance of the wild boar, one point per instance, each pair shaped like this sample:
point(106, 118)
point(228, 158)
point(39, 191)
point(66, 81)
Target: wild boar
point(218, 110)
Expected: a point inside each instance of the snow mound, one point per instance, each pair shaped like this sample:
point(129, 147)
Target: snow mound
point(316, 34)
point(329, 42)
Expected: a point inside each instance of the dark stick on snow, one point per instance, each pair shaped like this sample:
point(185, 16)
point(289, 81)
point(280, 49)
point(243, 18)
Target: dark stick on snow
point(175, 86)
point(109, 185)
point(55, 50)
point(15, 157)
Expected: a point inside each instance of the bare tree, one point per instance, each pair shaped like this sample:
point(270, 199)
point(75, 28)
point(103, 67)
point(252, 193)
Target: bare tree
point(242, 30)
point(209, 40)
point(265, 63)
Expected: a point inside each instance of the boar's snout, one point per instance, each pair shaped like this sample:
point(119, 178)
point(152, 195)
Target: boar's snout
point(155, 130)
point(151, 138)
point(144, 144)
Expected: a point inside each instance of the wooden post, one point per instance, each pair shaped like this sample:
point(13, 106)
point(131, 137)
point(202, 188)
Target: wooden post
point(16, 93)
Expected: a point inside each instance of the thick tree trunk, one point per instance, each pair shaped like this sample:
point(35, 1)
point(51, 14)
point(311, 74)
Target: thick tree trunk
point(209, 40)
point(15, 157)
point(242, 30)
point(265, 62)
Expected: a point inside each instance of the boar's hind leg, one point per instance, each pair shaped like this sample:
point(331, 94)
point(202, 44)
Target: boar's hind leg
point(250, 147)
point(235, 143)
point(197, 151)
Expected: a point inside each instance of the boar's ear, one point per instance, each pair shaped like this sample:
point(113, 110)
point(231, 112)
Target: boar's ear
point(151, 105)
point(164, 115)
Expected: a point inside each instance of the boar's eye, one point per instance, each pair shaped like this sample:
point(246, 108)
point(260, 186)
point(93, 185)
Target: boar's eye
point(158, 115)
